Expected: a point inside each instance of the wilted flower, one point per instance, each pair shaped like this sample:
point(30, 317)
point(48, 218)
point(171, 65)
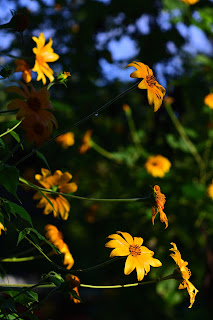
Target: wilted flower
point(86, 145)
point(44, 53)
point(155, 91)
point(185, 273)
point(54, 236)
point(208, 100)
point(157, 166)
point(138, 256)
point(56, 182)
point(23, 66)
point(66, 140)
point(160, 201)
point(74, 283)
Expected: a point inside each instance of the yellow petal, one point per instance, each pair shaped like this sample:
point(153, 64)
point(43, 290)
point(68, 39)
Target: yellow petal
point(118, 238)
point(139, 269)
point(138, 241)
point(127, 237)
point(143, 85)
point(119, 252)
point(129, 265)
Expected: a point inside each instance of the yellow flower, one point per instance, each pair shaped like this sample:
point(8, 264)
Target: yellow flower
point(2, 228)
point(86, 145)
point(35, 109)
point(210, 190)
point(208, 100)
point(44, 53)
point(160, 201)
point(56, 182)
point(54, 236)
point(66, 74)
point(190, 1)
point(155, 91)
point(23, 66)
point(157, 166)
point(138, 256)
point(66, 140)
point(185, 273)
point(74, 283)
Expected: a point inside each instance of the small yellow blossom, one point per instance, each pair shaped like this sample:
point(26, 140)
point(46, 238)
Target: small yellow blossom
point(86, 145)
point(190, 1)
point(155, 92)
point(74, 283)
point(138, 256)
point(54, 236)
point(157, 166)
point(185, 272)
point(2, 228)
point(210, 190)
point(56, 182)
point(160, 201)
point(23, 66)
point(208, 100)
point(66, 140)
point(44, 53)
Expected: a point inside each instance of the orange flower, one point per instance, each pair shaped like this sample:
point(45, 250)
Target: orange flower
point(138, 256)
point(54, 236)
point(2, 228)
point(66, 140)
point(155, 91)
point(35, 107)
point(23, 66)
point(190, 1)
point(209, 100)
point(160, 201)
point(56, 182)
point(157, 166)
point(74, 283)
point(44, 53)
point(185, 274)
point(86, 145)
point(210, 190)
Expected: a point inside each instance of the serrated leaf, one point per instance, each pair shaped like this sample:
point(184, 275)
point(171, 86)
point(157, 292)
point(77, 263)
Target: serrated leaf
point(42, 157)
point(15, 208)
point(9, 178)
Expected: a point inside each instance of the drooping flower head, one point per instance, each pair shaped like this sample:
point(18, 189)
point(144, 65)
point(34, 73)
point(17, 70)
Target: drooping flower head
point(157, 166)
point(160, 199)
point(155, 92)
point(57, 182)
point(190, 1)
point(23, 66)
point(210, 190)
point(74, 283)
point(208, 100)
point(86, 142)
point(138, 256)
point(54, 236)
point(35, 109)
point(66, 140)
point(44, 53)
point(185, 273)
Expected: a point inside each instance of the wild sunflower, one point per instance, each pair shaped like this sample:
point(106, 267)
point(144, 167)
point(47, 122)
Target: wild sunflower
point(155, 92)
point(160, 201)
point(210, 190)
point(57, 182)
point(157, 166)
point(54, 236)
point(138, 256)
point(44, 53)
point(23, 66)
point(86, 145)
point(185, 274)
point(208, 100)
point(66, 140)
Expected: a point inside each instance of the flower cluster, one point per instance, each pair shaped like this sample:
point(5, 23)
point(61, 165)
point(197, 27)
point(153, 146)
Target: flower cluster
point(58, 182)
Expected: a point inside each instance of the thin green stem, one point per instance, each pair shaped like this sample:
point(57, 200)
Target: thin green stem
point(31, 185)
point(100, 265)
point(103, 152)
point(185, 137)
point(85, 119)
point(15, 259)
point(8, 111)
point(11, 129)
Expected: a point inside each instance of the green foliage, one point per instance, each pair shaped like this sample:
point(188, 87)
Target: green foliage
point(9, 178)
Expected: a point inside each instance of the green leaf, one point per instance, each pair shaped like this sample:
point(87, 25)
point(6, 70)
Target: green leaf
point(15, 208)
point(2, 144)
point(42, 157)
point(15, 136)
point(1, 217)
point(22, 234)
point(9, 178)
point(40, 237)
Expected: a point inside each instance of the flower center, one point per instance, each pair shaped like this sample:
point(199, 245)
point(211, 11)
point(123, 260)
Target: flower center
point(34, 104)
point(135, 250)
point(151, 80)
